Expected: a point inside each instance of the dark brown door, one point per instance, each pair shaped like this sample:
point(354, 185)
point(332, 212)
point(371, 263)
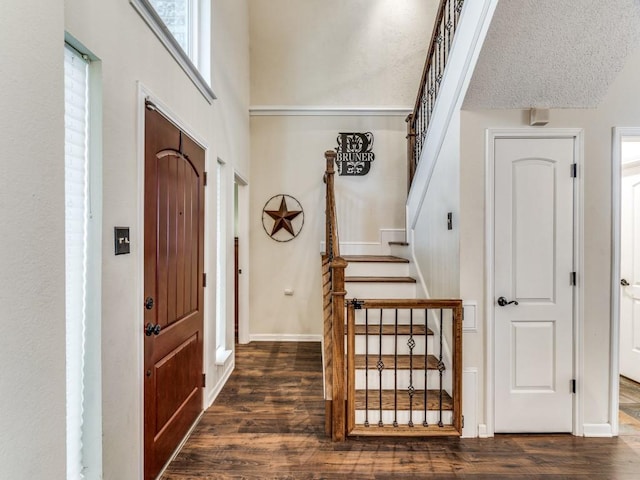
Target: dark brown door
point(173, 288)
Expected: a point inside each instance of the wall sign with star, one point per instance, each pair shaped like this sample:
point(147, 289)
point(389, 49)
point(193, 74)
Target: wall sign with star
point(282, 217)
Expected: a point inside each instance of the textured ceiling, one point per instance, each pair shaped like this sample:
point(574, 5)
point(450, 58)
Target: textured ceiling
point(553, 53)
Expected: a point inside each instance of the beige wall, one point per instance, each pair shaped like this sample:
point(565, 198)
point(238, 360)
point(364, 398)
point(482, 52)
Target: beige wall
point(32, 381)
point(287, 157)
point(32, 294)
point(332, 52)
point(620, 107)
point(326, 53)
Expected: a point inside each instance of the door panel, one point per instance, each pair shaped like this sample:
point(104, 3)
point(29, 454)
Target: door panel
point(630, 271)
point(533, 259)
point(174, 260)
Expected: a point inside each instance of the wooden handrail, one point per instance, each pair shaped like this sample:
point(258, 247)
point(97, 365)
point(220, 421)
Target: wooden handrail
point(333, 307)
point(418, 121)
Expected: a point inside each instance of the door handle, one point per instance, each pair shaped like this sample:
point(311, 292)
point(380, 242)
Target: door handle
point(151, 329)
point(503, 302)
point(624, 283)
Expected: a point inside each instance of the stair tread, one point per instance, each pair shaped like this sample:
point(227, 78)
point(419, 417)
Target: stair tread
point(388, 329)
point(388, 400)
point(380, 279)
point(375, 259)
point(403, 361)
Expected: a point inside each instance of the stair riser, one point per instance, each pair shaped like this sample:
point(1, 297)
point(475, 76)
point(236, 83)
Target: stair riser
point(380, 290)
point(377, 269)
point(389, 346)
point(403, 417)
point(433, 380)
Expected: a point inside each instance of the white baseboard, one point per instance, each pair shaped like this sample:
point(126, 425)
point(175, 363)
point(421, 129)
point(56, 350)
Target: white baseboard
point(597, 430)
point(215, 391)
point(284, 337)
point(470, 402)
point(482, 431)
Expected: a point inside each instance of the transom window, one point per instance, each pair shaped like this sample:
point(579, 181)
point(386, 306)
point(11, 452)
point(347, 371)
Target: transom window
point(180, 17)
point(184, 28)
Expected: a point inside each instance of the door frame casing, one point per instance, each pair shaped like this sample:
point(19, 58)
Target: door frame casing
point(492, 134)
point(144, 94)
point(243, 258)
point(616, 198)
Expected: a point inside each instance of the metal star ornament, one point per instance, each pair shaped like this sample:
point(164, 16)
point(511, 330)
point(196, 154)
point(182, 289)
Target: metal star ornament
point(287, 220)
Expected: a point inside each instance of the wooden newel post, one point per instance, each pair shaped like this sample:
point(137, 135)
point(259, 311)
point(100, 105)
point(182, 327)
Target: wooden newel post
point(338, 413)
point(411, 145)
point(330, 157)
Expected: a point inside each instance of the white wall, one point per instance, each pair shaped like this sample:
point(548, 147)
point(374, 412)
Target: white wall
point(32, 294)
point(620, 107)
point(326, 53)
point(436, 249)
point(130, 54)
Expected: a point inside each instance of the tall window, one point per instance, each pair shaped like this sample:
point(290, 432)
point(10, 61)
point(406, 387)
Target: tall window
point(76, 122)
point(221, 266)
point(83, 260)
point(184, 28)
point(181, 18)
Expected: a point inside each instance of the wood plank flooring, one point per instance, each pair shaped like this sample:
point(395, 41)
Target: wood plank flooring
point(268, 423)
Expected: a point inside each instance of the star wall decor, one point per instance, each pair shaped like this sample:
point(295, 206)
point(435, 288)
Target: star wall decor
point(282, 218)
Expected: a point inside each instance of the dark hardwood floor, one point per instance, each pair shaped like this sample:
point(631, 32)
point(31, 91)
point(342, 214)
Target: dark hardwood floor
point(268, 423)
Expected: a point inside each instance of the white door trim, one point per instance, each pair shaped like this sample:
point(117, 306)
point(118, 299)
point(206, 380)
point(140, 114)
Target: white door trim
point(243, 260)
point(578, 344)
point(145, 93)
point(616, 173)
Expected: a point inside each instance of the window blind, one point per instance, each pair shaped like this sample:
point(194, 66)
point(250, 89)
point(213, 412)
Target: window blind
point(76, 97)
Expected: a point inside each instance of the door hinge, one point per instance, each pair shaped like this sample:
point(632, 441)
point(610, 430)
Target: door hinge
point(574, 170)
point(462, 421)
point(573, 385)
point(204, 178)
point(204, 279)
point(204, 380)
point(572, 279)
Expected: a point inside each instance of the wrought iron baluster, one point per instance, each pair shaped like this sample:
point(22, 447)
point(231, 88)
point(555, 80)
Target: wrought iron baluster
point(425, 423)
point(366, 367)
point(441, 370)
point(411, 390)
point(395, 373)
point(380, 366)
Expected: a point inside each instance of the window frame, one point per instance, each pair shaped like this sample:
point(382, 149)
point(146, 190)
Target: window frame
point(158, 27)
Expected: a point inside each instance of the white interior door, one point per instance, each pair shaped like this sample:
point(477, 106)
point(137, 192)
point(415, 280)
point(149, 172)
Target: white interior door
point(533, 260)
point(630, 273)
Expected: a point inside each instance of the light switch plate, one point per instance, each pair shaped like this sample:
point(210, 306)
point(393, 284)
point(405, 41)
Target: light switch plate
point(122, 242)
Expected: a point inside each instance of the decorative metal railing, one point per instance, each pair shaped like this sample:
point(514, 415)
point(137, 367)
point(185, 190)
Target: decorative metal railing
point(333, 267)
point(438, 54)
point(404, 367)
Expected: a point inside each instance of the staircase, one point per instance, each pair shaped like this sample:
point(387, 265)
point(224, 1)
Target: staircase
point(397, 369)
point(396, 366)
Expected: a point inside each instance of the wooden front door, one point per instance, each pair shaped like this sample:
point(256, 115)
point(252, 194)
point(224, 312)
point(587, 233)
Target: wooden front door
point(173, 288)
point(533, 261)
